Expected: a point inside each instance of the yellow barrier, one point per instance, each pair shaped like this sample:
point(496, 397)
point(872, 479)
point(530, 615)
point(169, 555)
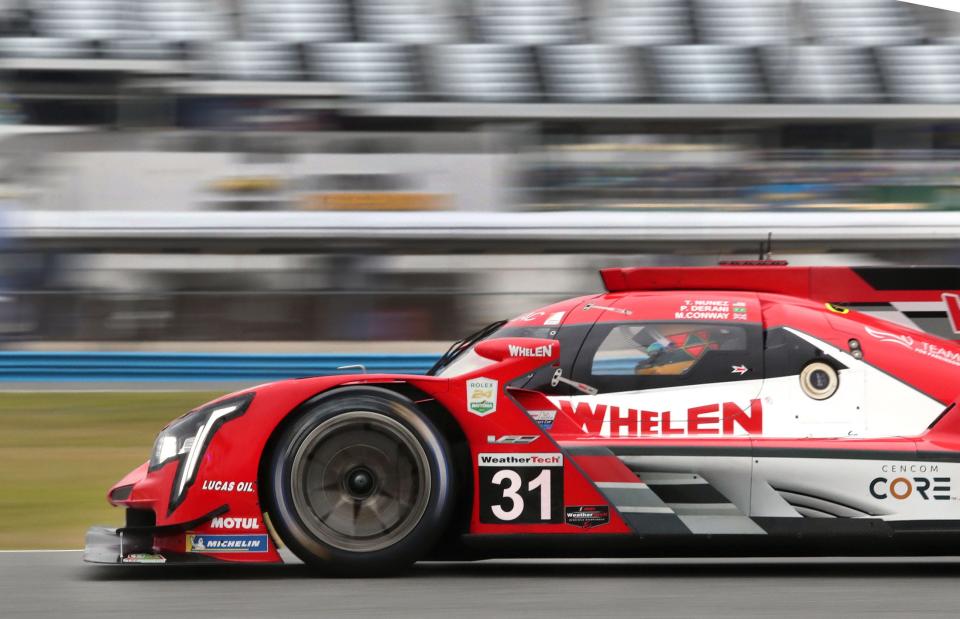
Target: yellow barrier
point(376, 201)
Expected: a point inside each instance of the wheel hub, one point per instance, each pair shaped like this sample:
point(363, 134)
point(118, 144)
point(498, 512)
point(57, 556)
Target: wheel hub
point(360, 483)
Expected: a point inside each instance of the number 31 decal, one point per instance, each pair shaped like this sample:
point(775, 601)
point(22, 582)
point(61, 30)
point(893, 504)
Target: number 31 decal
point(521, 488)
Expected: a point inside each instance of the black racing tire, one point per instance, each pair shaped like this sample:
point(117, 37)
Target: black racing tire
point(360, 484)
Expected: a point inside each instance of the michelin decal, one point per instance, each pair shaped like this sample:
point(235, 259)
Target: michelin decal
point(226, 543)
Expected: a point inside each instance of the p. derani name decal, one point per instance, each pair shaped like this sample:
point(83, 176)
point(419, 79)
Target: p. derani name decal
point(722, 418)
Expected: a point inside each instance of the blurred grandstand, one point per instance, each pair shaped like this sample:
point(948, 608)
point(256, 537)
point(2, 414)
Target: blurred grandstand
point(590, 51)
point(299, 170)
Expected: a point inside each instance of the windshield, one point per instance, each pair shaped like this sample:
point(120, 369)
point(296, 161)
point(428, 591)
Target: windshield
point(460, 358)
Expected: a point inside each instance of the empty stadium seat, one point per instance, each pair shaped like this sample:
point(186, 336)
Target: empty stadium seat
point(249, 60)
point(862, 22)
point(184, 20)
point(744, 22)
point(528, 22)
point(821, 73)
point(922, 73)
point(483, 72)
point(641, 22)
point(90, 20)
point(297, 21)
point(487, 50)
point(373, 70)
point(707, 74)
point(418, 22)
point(591, 73)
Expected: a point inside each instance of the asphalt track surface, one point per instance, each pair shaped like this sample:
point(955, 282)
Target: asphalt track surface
point(57, 584)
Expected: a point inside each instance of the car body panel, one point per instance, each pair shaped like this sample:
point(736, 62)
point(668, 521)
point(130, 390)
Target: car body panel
point(706, 421)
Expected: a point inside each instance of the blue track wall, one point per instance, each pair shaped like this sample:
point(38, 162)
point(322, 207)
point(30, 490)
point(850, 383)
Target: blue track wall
point(133, 366)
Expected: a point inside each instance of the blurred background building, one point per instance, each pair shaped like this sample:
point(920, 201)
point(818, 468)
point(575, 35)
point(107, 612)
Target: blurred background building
point(288, 174)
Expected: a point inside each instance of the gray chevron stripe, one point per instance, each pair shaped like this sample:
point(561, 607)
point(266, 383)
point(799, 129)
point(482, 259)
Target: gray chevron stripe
point(698, 505)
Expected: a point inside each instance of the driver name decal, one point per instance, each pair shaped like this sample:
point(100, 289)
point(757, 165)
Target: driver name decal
point(711, 309)
point(720, 419)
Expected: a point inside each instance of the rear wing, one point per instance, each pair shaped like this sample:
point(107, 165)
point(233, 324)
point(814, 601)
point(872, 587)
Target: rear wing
point(923, 298)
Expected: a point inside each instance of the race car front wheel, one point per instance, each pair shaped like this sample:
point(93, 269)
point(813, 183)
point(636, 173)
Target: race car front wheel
point(361, 483)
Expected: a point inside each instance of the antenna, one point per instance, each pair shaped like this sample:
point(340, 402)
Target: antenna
point(765, 253)
point(764, 259)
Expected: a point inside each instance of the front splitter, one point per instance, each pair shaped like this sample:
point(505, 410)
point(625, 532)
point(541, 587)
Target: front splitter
point(109, 546)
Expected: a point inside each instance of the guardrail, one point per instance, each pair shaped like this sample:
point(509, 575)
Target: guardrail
point(484, 232)
point(16, 366)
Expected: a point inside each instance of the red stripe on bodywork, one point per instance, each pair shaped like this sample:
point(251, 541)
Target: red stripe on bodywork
point(953, 310)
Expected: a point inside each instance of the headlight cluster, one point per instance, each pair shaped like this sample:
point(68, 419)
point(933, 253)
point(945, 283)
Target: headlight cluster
point(187, 438)
point(177, 438)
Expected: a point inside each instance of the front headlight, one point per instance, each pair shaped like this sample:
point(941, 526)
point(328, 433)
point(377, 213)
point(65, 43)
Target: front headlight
point(177, 438)
point(187, 438)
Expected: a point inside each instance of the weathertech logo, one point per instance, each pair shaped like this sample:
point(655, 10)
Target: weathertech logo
point(511, 460)
point(587, 516)
point(725, 418)
point(527, 351)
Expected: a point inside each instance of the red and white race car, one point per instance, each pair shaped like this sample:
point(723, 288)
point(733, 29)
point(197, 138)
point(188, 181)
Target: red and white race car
point(737, 409)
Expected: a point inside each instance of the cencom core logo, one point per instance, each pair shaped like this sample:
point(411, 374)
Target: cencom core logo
point(900, 488)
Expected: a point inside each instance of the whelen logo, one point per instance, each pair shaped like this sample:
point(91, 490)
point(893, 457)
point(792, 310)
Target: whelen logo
point(900, 488)
point(725, 418)
point(527, 351)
